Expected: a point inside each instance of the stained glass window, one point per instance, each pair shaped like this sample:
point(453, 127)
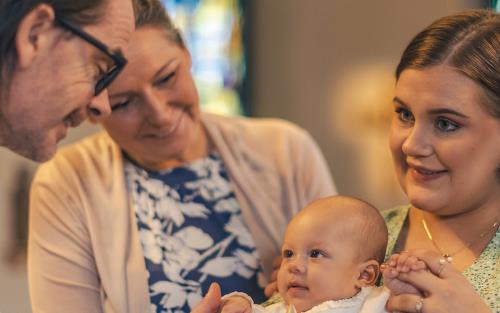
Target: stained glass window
point(213, 32)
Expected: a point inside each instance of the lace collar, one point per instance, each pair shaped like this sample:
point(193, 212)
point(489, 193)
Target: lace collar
point(355, 301)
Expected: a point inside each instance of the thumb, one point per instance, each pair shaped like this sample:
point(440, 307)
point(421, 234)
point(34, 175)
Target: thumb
point(210, 303)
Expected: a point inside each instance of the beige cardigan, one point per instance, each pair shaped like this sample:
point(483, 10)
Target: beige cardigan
point(84, 254)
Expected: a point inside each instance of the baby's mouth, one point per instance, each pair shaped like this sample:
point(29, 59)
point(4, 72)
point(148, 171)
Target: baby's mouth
point(297, 286)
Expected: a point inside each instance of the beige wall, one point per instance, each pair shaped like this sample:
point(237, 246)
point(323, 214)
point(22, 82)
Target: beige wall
point(301, 51)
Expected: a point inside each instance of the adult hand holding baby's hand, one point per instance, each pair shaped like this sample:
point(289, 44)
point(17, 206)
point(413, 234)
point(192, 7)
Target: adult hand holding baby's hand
point(445, 288)
point(235, 304)
point(401, 263)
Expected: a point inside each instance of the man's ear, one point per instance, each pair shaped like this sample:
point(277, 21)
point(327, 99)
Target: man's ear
point(368, 273)
point(31, 33)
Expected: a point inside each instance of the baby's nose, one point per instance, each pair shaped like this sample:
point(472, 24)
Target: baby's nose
point(297, 265)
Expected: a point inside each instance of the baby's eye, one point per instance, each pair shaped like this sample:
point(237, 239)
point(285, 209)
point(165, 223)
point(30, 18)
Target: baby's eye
point(287, 253)
point(316, 253)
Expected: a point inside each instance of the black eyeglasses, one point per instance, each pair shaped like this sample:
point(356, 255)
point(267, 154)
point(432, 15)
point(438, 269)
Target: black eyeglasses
point(117, 57)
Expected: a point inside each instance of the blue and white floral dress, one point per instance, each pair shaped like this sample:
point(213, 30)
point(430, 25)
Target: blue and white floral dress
point(192, 233)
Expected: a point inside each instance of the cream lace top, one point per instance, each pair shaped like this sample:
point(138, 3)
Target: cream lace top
point(367, 300)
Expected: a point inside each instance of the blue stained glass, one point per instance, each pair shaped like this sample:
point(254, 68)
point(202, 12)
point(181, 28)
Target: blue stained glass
point(212, 30)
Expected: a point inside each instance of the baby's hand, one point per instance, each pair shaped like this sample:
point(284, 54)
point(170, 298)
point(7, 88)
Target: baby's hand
point(401, 263)
point(235, 304)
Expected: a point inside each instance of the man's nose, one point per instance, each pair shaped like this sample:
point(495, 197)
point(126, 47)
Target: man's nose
point(99, 106)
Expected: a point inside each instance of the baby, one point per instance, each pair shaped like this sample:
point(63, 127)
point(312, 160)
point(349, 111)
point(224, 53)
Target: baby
point(331, 259)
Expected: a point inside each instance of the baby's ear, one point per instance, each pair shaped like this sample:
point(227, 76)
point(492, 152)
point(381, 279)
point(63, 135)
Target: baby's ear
point(368, 273)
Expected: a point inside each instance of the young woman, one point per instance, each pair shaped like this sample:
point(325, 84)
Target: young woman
point(445, 139)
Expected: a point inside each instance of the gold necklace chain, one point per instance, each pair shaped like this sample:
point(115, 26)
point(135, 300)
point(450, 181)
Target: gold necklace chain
point(449, 256)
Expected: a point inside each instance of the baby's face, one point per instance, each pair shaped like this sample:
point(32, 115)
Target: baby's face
point(319, 263)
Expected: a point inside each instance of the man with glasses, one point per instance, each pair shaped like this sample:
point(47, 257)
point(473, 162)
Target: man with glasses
point(56, 59)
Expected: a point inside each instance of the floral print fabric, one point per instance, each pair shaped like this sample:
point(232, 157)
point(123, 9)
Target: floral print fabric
point(192, 233)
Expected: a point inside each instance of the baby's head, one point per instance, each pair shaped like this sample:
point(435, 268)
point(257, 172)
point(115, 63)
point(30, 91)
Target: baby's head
point(332, 248)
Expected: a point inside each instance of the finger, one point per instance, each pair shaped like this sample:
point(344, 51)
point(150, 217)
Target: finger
point(393, 260)
point(402, 260)
point(209, 303)
point(423, 280)
point(419, 265)
point(405, 303)
point(407, 266)
point(389, 273)
point(237, 307)
point(233, 309)
point(270, 289)
point(228, 309)
point(226, 305)
point(436, 263)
